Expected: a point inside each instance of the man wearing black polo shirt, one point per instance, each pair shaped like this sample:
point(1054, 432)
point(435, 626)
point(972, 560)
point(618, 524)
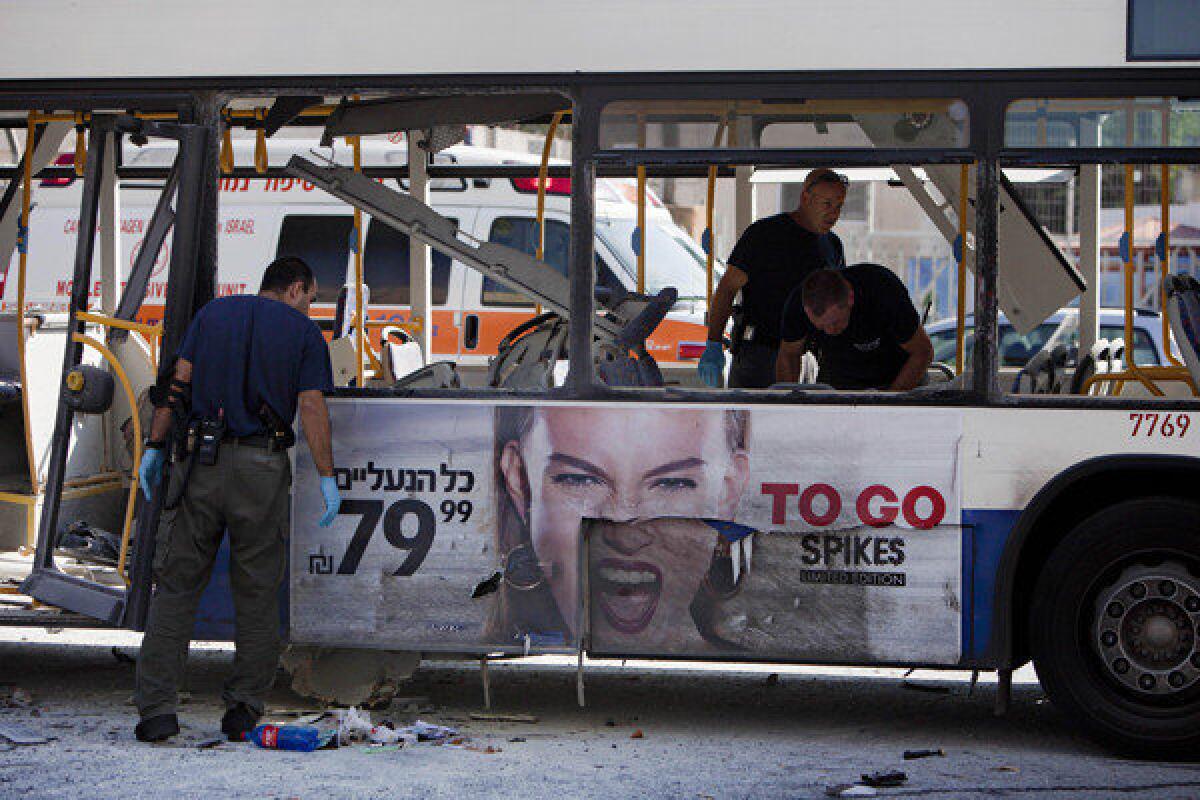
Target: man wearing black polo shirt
point(770, 259)
point(863, 327)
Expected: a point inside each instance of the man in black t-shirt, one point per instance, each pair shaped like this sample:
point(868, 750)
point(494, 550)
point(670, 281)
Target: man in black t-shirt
point(863, 327)
point(770, 259)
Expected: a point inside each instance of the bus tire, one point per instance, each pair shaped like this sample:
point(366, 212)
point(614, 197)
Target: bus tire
point(1114, 623)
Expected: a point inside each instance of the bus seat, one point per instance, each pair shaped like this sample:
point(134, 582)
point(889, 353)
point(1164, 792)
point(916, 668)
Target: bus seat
point(808, 368)
point(1032, 377)
point(1056, 369)
point(802, 387)
point(527, 355)
point(400, 354)
point(438, 375)
point(1085, 369)
point(10, 359)
point(938, 373)
point(344, 359)
point(343, 313)
point(1183, 310)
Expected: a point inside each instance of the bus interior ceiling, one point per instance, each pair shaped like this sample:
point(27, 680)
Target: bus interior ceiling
point(433, 325)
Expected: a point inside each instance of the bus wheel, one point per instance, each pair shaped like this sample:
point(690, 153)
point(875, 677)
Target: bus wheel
point(1115, 625)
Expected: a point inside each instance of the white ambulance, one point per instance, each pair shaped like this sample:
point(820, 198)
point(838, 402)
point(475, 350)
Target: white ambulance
point(261, 219)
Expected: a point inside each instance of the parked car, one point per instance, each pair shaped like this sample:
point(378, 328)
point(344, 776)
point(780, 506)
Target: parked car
point(1015, 349)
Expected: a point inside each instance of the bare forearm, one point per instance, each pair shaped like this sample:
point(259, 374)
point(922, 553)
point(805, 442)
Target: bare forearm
point(722, 301)
point(788, 365)
point(160, 425)
point(314, 416)
point(920, 356)
point(718, 313)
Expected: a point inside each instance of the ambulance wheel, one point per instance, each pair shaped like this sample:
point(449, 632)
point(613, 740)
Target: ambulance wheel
point(1115, 623)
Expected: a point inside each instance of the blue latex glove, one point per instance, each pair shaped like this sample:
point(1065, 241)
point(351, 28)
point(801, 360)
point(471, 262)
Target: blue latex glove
point(712, 365)
point(333, 500)
point(150, 470)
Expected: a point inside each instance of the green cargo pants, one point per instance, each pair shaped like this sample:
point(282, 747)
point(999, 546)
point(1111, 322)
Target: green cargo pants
point(246, 493)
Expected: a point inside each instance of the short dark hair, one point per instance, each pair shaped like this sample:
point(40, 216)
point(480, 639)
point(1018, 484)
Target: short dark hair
point(824, 175)
point(824, 288)
point(283, 272)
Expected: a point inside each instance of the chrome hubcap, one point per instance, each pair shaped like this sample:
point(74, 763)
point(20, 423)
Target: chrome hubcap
point(1146, 629)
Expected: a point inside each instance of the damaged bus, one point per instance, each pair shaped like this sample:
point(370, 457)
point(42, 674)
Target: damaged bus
point(576, 503)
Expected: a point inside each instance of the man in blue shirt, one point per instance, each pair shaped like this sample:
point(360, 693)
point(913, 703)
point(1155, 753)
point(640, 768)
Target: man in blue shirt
point(248, 364)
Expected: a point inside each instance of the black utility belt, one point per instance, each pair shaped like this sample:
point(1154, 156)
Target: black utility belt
point(253, 440)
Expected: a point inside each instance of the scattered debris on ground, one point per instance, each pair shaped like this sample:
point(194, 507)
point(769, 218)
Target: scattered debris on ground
point(850, 790)
point(910, 755)
point(488, 717)
point(885, 779)
point(17, 735)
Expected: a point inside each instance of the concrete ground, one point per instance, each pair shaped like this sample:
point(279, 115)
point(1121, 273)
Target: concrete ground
point(741, 731)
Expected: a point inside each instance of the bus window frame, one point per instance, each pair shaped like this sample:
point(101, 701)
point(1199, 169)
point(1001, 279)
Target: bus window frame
point(986, 94)
point(987, 100)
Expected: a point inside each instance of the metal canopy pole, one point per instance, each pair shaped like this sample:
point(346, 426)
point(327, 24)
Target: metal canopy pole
point(45, 582)
point(360, 312)
point(585, 123)
point(206, 113)
point(743, 189)
point(420, 296)
point(110, 230)
point(987, 189)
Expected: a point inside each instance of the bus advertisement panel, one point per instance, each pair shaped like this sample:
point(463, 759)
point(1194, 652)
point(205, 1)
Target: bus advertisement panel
point(755, 532)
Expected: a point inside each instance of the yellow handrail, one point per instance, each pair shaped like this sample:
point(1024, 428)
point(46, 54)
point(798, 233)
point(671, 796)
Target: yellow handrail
point(359, 311)
point(543, 177)
point(1144, 375)
point(710, 201)
point(1164, 263)
point(226, 154)
point(261, 158)
point(1131, 366)
point(641, 209)
point(152, 332)
point(124, 324)
point(119, 371)
point(81, 153)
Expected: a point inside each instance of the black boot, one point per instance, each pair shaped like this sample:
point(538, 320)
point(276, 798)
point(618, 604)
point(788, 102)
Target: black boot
point(238, 721)
point(157, 728)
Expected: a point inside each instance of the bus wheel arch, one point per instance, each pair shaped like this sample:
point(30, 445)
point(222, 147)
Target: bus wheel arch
point(1063, 503)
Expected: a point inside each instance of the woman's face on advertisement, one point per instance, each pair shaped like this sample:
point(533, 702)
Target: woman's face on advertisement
point(627, 466)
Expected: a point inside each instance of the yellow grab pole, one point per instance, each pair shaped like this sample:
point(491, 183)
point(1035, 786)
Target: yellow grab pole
point(960, 337)
point(261, 158)
point(360, 328)
point(1130, 362)
point(543, 176)
point(710, 202)
point(641, 226)
point(641, 210)
point(1164, 263)
point(22, 269)
point(710, 251)
point(81, 153)
point(137, 442)
point(226, 156)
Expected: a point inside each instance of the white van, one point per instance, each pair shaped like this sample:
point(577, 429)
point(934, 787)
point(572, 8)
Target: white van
point(262, 219)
